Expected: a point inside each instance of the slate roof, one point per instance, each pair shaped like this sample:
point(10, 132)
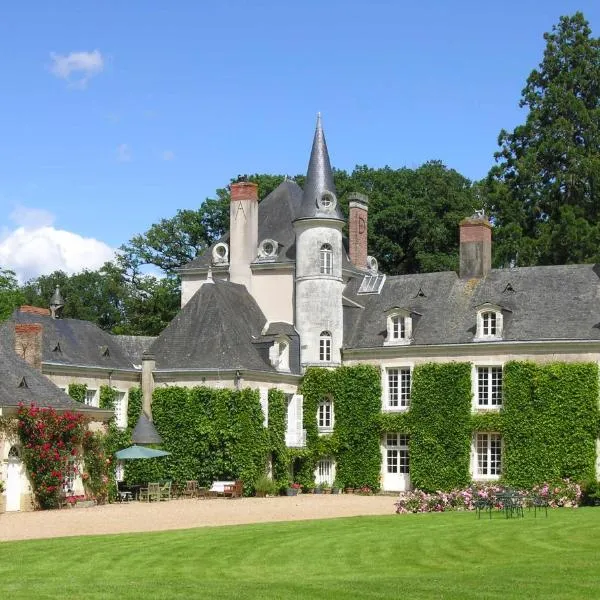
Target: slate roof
point(218, 329)
point(72, 342)
point(37, 389)
point(275, 215)
point(539, 303)
point(134, 346)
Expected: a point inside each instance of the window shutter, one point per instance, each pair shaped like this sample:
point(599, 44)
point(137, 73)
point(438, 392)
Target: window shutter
point(264, 404)
point(298, 400)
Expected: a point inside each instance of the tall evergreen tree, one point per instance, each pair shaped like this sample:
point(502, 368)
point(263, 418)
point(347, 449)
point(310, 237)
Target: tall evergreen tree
point(544, 193)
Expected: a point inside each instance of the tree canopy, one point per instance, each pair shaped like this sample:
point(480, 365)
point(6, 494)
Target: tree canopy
point(544, 193)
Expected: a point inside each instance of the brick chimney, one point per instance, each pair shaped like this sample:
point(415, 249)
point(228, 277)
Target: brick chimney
point(28, 343)
point(243, 231)
point(475, 246)
point(357, 228)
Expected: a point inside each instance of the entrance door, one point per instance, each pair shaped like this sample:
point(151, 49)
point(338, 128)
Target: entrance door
point(14, 472)
point(396, 466)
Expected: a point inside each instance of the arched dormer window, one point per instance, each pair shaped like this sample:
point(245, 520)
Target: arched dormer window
point(279, 353)
point(325, 346)
point(490, 322)
point(399, 327)
point(326, 259)
point(325, 416)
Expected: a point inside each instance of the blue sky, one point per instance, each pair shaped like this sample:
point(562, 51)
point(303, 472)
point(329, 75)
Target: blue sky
point(115, 114)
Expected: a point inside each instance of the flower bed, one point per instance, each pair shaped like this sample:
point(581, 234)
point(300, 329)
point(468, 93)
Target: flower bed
point(557, 494)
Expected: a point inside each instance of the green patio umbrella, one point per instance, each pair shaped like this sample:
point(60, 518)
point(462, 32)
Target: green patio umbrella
point(135, 451)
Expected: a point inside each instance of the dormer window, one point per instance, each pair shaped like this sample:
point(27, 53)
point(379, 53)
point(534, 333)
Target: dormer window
point(326, 259)
point(325, 416)
point(325, 346)
point(268, 249)
point(399, 327)
point(489, 322)
point(220, 254)
point(279, 354)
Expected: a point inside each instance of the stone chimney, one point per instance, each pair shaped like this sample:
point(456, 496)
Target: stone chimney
point(475, 246)
point(357, 228)
point(28, 343)
point(243, 231)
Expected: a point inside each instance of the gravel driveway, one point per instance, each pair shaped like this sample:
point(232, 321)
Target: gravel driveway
point(186, 514)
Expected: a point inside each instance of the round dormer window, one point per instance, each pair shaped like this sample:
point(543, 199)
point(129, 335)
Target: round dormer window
point(268, 249)
point(327, 201)
point(220, 253)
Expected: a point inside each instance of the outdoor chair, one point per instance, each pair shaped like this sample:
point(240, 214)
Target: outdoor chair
point(190, 490)
point(165, 491)
point(152, 492)
point(203, 493)
point(539, 503)
point(482, 504)
point(234, 491)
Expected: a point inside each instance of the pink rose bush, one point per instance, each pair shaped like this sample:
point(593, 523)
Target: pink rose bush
point(563, 493)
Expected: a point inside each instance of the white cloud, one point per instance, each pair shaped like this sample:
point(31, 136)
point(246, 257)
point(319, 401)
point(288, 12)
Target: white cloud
point(77, 67)
point(124, 153)
point(168, 155)
point(36, 247)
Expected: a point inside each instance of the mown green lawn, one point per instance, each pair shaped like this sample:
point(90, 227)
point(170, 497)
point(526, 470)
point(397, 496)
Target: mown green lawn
point(451, 555)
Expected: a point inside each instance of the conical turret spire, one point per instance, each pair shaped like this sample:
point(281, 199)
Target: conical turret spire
point(319, 199)
point(57, 303)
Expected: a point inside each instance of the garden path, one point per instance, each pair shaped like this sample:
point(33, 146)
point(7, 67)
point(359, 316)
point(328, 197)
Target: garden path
point(186, 514)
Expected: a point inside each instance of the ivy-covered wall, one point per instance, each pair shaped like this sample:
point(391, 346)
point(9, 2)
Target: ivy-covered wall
point(354, 443)
point(440, 417)
point(212, 434)
point(549, 422)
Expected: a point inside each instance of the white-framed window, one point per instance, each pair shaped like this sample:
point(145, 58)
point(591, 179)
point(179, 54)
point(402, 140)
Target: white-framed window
point(91, 397)
point(326, 259)
point(121, 409)
point(397, 459)
point(325, 416)
point(119, 471)
point(489, 387)
point(489, 323)
point(488, 455)
point(398, 384)
point(399, 327)
point(325, 346)
point(325, 471)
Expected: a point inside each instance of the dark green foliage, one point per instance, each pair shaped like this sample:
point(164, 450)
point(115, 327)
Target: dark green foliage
point(545, 192)
point(549, 422)
point(77, 391)
point(280, 456)
point(440, 438)
point(487, 421)
point(11, 296)
point(211, 434)
point(108, 395)
point(134, 406)
point(356, 395)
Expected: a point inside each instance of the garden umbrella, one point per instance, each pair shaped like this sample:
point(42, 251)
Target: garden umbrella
point(135, 451)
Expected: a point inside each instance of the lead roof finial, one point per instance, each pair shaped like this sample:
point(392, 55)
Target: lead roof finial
point(57, 303)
